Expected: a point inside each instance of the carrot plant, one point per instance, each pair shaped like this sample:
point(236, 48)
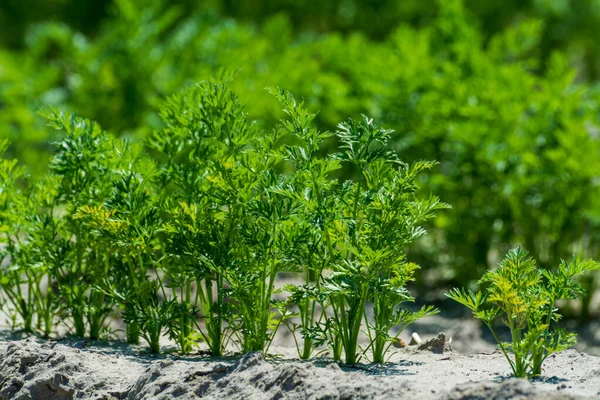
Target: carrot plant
point(207, 187)
point(310, 187)
point(28, 239)
point(155, 298)
point(20, 275)
point(524, 297)
point(231, 231)
point(188, 265)
point(272, 239)
point(39, 240)
point(135, 210)
point(378, 215)
point(82, 166)
point(11, 202)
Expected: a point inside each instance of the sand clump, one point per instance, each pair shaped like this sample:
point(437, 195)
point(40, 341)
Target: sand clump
point(439, 344)
point(33, 369)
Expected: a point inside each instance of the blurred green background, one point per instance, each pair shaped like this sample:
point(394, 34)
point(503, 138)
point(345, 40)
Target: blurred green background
point(503, 93)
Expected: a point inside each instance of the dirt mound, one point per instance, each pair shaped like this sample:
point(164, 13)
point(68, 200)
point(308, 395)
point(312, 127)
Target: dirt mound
point(30, 370)
point(251, 377)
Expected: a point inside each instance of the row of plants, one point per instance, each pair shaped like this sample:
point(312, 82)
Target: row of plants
point(568, 23)
point(187, 234)
point(514, 130)
point(189, 243)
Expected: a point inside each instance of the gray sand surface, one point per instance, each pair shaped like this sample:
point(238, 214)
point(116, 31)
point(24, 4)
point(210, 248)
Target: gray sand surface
point(35, 369)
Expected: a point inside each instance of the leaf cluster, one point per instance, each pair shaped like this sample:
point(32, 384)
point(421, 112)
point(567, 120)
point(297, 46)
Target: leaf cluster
point(190, 243)
point(524, 297)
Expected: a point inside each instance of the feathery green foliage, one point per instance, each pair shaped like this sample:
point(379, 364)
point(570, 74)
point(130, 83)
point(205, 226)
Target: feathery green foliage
point(510, 120)
point(189, 242)
point(376, 217)
point(524, 297)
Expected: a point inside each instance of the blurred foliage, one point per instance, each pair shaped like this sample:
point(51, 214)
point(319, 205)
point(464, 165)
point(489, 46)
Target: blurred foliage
point(569, 25)
point(502, 93)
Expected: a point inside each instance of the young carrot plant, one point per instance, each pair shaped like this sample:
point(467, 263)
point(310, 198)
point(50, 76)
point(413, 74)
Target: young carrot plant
point(392, 221)
point(136, 212)
point(82, 167)
point(272, 239)
point(207, 189)
point(378, 215)
point(39, 239)
point(524, 297)
point(21, 274)
point(188, 263)
point(129, 221)
point(310, 186)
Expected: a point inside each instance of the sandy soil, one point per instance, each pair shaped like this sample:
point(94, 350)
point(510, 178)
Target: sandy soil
point(35, 369)
point(470, 369)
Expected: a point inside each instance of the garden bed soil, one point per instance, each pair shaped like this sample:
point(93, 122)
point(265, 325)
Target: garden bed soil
point(65, 369)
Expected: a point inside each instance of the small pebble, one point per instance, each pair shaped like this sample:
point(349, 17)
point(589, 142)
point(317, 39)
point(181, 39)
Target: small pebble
point(415, 339)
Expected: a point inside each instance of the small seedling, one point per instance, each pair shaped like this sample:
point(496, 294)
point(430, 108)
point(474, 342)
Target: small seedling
point(523, 296)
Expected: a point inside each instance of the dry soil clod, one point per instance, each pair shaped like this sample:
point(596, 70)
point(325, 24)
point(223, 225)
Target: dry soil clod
point(437, 345)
